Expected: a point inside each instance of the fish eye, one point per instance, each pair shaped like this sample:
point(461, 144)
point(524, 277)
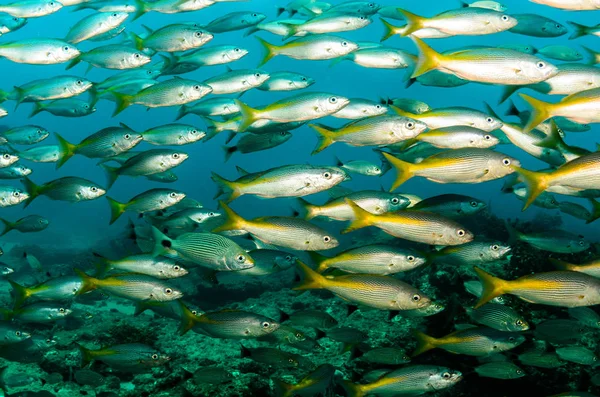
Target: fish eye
point(446, 375)
point(193, 132)
point(173, 194)
point(79, 82)
point(288, 258)
point(256, 74)
point(198, 34)
point(94, 189)
point(489, 120)
point(86, 106)
point(372, 5)
point(582, 243)
point(126, 136)
point(66, 48)
point(136, 55)
point(168, 291)
point(176, 267)
point(333, 99)
point(291, 360)
point(361, 18)
point(395, 200)
point(519, 322)
point(175, 155)
point(487, 137)
point(541, 65)
point(558, 26)
point(298, 335)
point(506, 161)
point(236, 50)
point(211, 214)
point(505, 18)
point(61, 310)
point(410, 258)
point(410, 125)
point(194, 312)
point(303, 78)
point(155, 356)
point(197, 87)
point(18, 333)
point(241, 258)
point(265, 324)
point(16, 194)
point(460, 232)
point(6, 156)
point(115, 15)
point(495, 247)
point(416, 297)
point(511, 339)
point(48, 341)
point(344, 43)
point(283, 133)
point(326, 239)
point(254, 15)
point(473, 203)
point(327, 175)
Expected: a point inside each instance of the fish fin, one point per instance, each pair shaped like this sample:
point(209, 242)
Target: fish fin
point(122, 102)
point(88, 284)
point(87, 355)
point(353, 389)
point(429, 59)
point(232, 220)
point(101, 264)
point(116, 209)
point(507, 91)
point(424, 343)
point(592, 55)
point(162, 243)
point(280, 10)
point(38, 107)
point(183, 111)
point(188, 319)
point(561, 265)
point(325, 137)
point(66, 150)
point(404, 170)
point(318, 260)
point(140, 9)
point(540, 112)
point(229, 151)
point(270, 51)
point(513, 234)
point(293, 29)
point(389, 30)
point(307, 210)
point(414, 22)
point(579, 30)
point(74, 62)
point(492, 287)
point(19, 96)
point(225, 186)
point(230, 136)
point(553, 139)
point(8, 226)
point(249, 115)
point(250, 31)
point(140, 307)
point(32, 190)
point(513, 110)
point(337, 60)
point(595, 210)
point(536, 183)
point(282, 389)
point(112, 173)
point(362, 218)
point(21, 293)
point(244, 352)
point(310, 278)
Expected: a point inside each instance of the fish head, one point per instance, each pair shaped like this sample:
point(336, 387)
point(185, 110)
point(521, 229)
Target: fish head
point(395, 202)
point(235, 53)
point(252, 18)
point(15, 23)
point(14, 335)
point(197, 91)
point(257, 77)
point(136, 59)
point(413, 258)
point(406, 127)
point(203, 216)
point(78, 86)
point(193, 134)
point(487, 123)
point(552, 28)
point(199, 37)
point(66, 53)
point(372, 109)
point(494, 251)
point(51, 6)
point(116, 18)
point(330, 104)
point(174, 159)
point(84, 108)
point(155, 359)
point(472, 206)
point(578, 245)
point(507, 342)
point(8, 159)
point(285, 260)
point(40, 133)
point(163, 293)
point(90, 192)
point(453, 234)
point(174, 197)
point(169, 270)
point(260, 326)
point(238, 259)
point(502, 22)
point(17, 196)
point(42, 223)
point(318, 242)
point(358, 21)
point(62, 312)
point(442, 378)
point(5, 270)
point(301, 82)
point(343, 47)
point(487, 141)
point(518, 325)
point(499, 166)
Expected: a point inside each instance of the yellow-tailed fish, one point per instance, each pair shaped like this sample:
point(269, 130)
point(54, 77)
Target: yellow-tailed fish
point(470, 165)
point(286, 81)
point(409, 105)
point(359, 108)
point(10, 196)
point(172, 135)
point(69, 107)
point(315, 383)
point(192, 60)
point(454, 116)
point(537, 26)
point(544, 200)
point(490, 5)
point(71, 189)
point(14, 171)
point(131, 357)
point(31, 8)
point(319, 47)
point(458, 137)
point(558, 241)
point(579, 5)
point(301, 6)
point(210, 107)
point(418, 226)
point(591, 268)
point(285, 232)
point(451, 205)
point(237, 81)
point(150, 200)
point(379, 58)
point(39, 51)
point(559, 288)
point(23, 135)
point(361, 167)
point(27, 224)
point(94, 25)
point(173, 38)
point(376, 291)
point(56, 289)
point(229, 324)
point(159, 267)
point(329, 22)
point(473, 253)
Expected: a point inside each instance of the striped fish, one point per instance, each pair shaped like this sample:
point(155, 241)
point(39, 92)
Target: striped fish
point(500, 317)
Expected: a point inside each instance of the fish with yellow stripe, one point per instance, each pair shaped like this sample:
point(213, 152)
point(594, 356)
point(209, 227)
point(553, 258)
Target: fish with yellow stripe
point(558, 288)
point(417, 226)
point(591, 268)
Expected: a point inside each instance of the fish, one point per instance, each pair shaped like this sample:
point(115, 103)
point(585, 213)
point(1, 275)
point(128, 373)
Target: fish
point(376, 291)
point(14, 171)
point(471, 253)
point(95, 25)
point(536, 25)
point(586, 316)
point(150, 200)
point(212, 375)
point(229, 324)
point(38, 313)
point(210, 107)
point(25, 135)
point(560, 331)
point(7, 159)
point(568, 5)
point(61, 288)
point(39, 51)
point(237, 81)
point(159, 267)
point(477, 341)
point(318, 381)
point(359, 108)
point(312, 318)
point(27, 224)
point(70, 189)
point(207, 56)
point(540, 359)
point(234, 21)
point(410, 380)
point(451, 205)
point(329, 22)
point(11, 334)
point(31, 8)
point(454, 116)
point(284, 181)
point(371, 259)
point(499, 317)
point(57, 87)
point(458, 137)
point(285, 232)
point(544, 200)
point(41, 154)
point(361, 167)
point(409, 105)
point(270, 356)
point(112, 56)
point(172, 135)
point(251, 143)
point(560, 52)
point(286, 81)
point(577, 354)
point(9, 23)
point(591, 268)
point(173, 38)
point(500, 370)
point(69, 107)
point(10, 196)
point(131, 357)
point(557, 288)
point(558, 241)
point(319, 47)
point(491, 5)
point(379, 58)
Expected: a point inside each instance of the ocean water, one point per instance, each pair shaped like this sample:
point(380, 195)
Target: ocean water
point(84, 227)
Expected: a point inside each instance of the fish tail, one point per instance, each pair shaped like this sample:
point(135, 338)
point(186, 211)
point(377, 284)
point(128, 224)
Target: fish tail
point(101, 264)
point(66, 150)
point(21, 293)
point(280, 11)
point(353, 389)
point(229, 151)
point(307, 210)
point(282, 389)
point(162, 243)
point(414, 22)
point(38, 107)
point(122, 102)
point(212, 128)
point(292, 30)
point(249, 115)
point(183, 111)
point(88, 284)
point(8, 226)
point(168, 61)
point(225, 187)
point(325, 137)
point(507, 91)
point(562, 265)
point(138, 42)
point(579, 30)
point(513, 234)
point(32, 190)
point(309, 278)
point(429, 59)
point(592, 55)
point(318, 260)
point(424, 343)
point(270, 51)
point(388, 30)
point(74, 62)
point(492, 287)
point(232, 220)
point(595, 211)
point(540, 112)
point(112, 173)
point(536, 183)
point(362, 218)
point(87, 355)
point(250, 31)
point(140, 307)
point(116, 209)
point(18, 96)
point(404, 170)
point(188, 319)
point(140, 9)
point(553, 139)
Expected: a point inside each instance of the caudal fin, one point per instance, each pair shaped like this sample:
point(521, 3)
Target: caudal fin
point(87, 355)
point(309, 278)
point(579, 30)
point(32, 190)
point(232, 220)
point(388, 30)
point(404, 170)
point(21, 294)
point(595, 210)
point(226, 187)
point(249, 115)
point(8, 226)
point(188, 319)
point(229, 151)
point(361, 219)
point(122, 102)
point(424, 343)
point(37, 108)
point(319, 260)
point(112, 173)
point(428, 60)
point(414, 22)
point(492, 287)
point(102, 265)
point(270, 51)
point(116, 209)
point(307, 210)
point(562, 265)
point(162, 243)
point(536, 183)
point(325, 139)
point(507, 91)
point(540, 112)
point(88, 284)
point(353, 389)
point(66, 150)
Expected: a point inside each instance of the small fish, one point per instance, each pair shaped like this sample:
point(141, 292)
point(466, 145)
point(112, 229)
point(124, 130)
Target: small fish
point(411, 380)
point(31, 8)
point(69, 107)
point(500, 370)
point(10, 196)
point(112, 56)
point(237, 81)
point(418, 226)
point(70, 188)
point(359, 108)
point(7, 159)
point(173, 135)
point(150, 200)
point(187, 219)
point(560, 52)
point(544, 200)
point(230, 324)
point(210, 107)
point(41, 154)
point(57, 87)
point(586, 316)
point(577, 211)
point(27, 224)
point(558, 241)
point(10, 334)
point(234, 21)
point(569, 289)
point(173, 38)
point(451, 205)
point(313, 384)
point(127, 357)
point(159, 267)
point(56, 289)
point(379, 292)
point(329, 22)
point(251, 143)
point(361, 167)
point(408, 105)
point(204, 249)
point(95, 25)
point(9, 23)
point(271, 356)
point(458, 137)
point(86, 377)
point(39, 313)
point(25, 135)
point(313, 319)
point(212, 376)
point(500, 317)
point(577, 354)
point(209, 56)
point(470, 254)
point(539, 359)
point(386, 356)
point(379, 58)
point(537, 26)
point(14, 171)
point(267, 261)
point(490, 5)
point(569, 5)
point(478, 341)
point(560, 331)
point(286, 81)
point(39, 51)
point(319, 47)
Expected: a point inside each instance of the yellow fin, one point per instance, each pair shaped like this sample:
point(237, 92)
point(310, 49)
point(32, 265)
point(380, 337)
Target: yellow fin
point(232, 220)
point(540, 112)
point(424, 343)
point(310, 278)
point(429, 59)
point(492, 287)
point(362, 218)
point(536, 183)
point(404, 170)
